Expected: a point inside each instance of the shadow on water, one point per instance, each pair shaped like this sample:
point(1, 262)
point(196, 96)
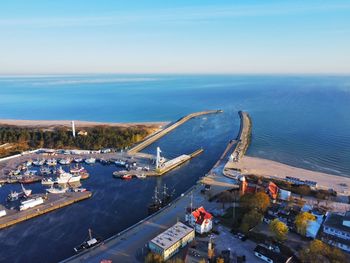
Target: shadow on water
point(116, 204)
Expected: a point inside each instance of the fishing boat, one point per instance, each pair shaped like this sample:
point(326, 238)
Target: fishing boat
point(89, 243)
point(53, 190)
point(26, 192)
point(51, 162)
point(120, 163)
point(47, 181)
point(28, 179)
point(29, 163)
point(79, 190)
point(78, 160)
point(39, 162)
point(126, 177)
point(141, 176)
point(13, 196)
point(45, 170)
point(103, 161)
point(65, 161)
point(67, 178)
point(77, 169)
point(90, 160)
point(60, 170)
point(84, 175)
point(30, 172)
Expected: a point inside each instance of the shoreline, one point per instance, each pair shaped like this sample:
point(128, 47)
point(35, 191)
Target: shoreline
point(273, 169)
point(78, 123)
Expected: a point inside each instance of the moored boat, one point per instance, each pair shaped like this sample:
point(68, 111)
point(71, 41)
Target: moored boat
point(53, 190)
point(65, 178)
point(89, 243)
point(65, 161)
point(78, 160)
point(120, 163)
point(51, 162)
point(126, 177)
point(47, 181)
point(90, 160)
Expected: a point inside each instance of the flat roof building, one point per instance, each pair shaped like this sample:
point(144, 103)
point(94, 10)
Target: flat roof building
point(171, 240)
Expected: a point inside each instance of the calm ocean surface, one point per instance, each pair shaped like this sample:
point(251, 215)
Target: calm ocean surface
point(298, 120)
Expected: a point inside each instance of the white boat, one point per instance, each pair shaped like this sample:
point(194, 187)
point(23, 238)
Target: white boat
point(47, 181)
point(45, 170)
point(141, 176)
point(79, 190)
point(60, 170)
point(90, 160)
point(51, 162)
point(30, 172)
point(31, 203)
point(29, 163)
point(67, 178)
point(78, 160)
point(2, 213)
point(39, 162)
point(54, 190)
point(77, 169)
point(120, 163)
point(26, 192)
point(65, 161)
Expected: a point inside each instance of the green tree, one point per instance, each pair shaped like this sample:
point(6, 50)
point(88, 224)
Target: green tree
point(302, 221)
point(250, 220)
point(279, 229)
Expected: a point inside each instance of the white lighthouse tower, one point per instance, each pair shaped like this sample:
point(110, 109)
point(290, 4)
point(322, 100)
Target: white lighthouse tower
point(73, 129)
point(158, 158)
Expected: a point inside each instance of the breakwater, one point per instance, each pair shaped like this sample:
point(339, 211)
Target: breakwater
point(163, 132)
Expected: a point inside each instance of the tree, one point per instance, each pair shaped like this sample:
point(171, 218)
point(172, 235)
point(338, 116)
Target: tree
point(303, 190)
point(250, 220)
point(279, 229)
point(220, 260)
point(302, 221)
point(153, 258)
point(259, 201)
point(318, 251)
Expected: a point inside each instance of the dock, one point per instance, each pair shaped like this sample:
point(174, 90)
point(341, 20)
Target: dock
point(173, 163)
point(163, 132)
point(51, 203)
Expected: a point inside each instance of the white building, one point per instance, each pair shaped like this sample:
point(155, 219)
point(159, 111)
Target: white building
point(200, 219)
point(170, 241)
point(336, 230)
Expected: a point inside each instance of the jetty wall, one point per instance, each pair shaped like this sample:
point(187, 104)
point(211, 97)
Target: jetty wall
point(163, 132)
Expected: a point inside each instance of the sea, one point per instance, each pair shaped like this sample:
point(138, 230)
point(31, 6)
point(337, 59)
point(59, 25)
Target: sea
point(300, 120)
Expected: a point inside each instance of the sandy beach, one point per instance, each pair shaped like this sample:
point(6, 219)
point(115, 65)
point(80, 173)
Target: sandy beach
point(67, 123)
point(268, 168)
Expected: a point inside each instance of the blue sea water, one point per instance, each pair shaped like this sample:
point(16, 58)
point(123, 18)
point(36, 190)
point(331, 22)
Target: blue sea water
point(299, 120)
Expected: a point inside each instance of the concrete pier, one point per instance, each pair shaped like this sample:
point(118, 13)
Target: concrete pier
point(51, 203)
point(163, 132)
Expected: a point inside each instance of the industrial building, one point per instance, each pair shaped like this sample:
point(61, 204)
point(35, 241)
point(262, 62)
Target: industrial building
point(170, 241)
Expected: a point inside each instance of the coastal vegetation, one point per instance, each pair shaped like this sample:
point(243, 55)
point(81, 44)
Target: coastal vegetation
point(279, 229)
point(318, 251)
point(94, 138)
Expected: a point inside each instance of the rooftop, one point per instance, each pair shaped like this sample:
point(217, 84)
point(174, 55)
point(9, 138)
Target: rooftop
point(334, 220)
point(275, 257)
point(200, 214)
point(172, 235)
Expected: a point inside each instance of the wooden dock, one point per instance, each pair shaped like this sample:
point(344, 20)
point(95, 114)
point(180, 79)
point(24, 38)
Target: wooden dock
point(51, 203)
point(163, 132)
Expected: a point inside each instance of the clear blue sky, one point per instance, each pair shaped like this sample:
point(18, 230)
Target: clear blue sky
point(177, 36)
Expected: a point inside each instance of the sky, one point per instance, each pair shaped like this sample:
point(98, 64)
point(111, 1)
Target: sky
point(182, 36)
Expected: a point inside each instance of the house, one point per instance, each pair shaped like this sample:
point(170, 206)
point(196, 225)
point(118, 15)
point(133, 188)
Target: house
point(270, 255)
point(170, 241)
point(200, 219)
point(336, 230)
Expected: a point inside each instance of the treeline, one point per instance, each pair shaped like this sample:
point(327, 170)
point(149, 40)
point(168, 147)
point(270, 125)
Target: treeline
point(97, 137)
